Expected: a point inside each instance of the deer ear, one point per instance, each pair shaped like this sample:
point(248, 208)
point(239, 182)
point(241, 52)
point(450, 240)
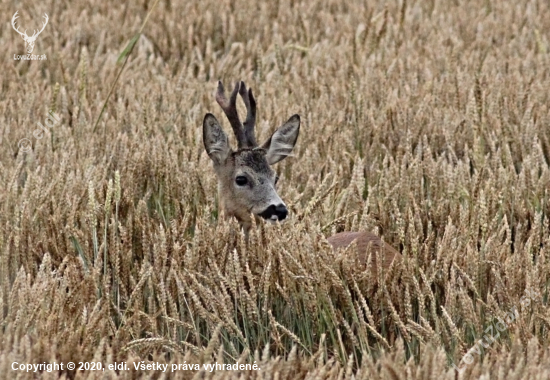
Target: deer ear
point(282, 141)
point(215, 139)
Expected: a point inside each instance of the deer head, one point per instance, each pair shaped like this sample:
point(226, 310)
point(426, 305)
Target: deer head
point(29, 41)
point(246, 181)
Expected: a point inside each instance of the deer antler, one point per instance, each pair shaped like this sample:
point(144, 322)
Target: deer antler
point(43, 26)
point(250, 104)
point(229, 107)
point(245, 135)
point(16, 27)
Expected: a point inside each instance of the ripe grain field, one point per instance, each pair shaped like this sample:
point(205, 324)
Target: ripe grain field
point(425, 121)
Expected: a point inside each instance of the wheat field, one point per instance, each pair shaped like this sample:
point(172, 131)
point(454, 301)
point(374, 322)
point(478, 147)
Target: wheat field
point(427, 122)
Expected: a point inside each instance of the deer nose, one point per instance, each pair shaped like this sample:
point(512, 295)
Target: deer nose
point(278, 212)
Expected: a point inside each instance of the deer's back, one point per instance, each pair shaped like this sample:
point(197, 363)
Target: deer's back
point(367, 244)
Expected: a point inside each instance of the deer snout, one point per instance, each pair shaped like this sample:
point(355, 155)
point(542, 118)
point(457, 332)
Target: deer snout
point(275, 212)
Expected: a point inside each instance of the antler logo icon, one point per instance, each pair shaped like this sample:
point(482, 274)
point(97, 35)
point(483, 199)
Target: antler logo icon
point(29, 41)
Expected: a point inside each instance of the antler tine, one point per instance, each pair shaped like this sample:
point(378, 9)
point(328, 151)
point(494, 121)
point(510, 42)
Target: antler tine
point(15, 17)
point(250, 121)
point(43, 25)
point(229, 107)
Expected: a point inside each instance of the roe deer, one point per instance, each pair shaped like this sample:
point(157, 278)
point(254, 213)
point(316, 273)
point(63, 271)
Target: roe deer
point(246, 182)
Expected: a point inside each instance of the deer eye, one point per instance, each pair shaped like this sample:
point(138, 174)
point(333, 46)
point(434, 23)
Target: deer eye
point(276, 179)
point(241, 180)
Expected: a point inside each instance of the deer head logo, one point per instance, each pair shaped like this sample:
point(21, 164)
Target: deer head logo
point(29, 41)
